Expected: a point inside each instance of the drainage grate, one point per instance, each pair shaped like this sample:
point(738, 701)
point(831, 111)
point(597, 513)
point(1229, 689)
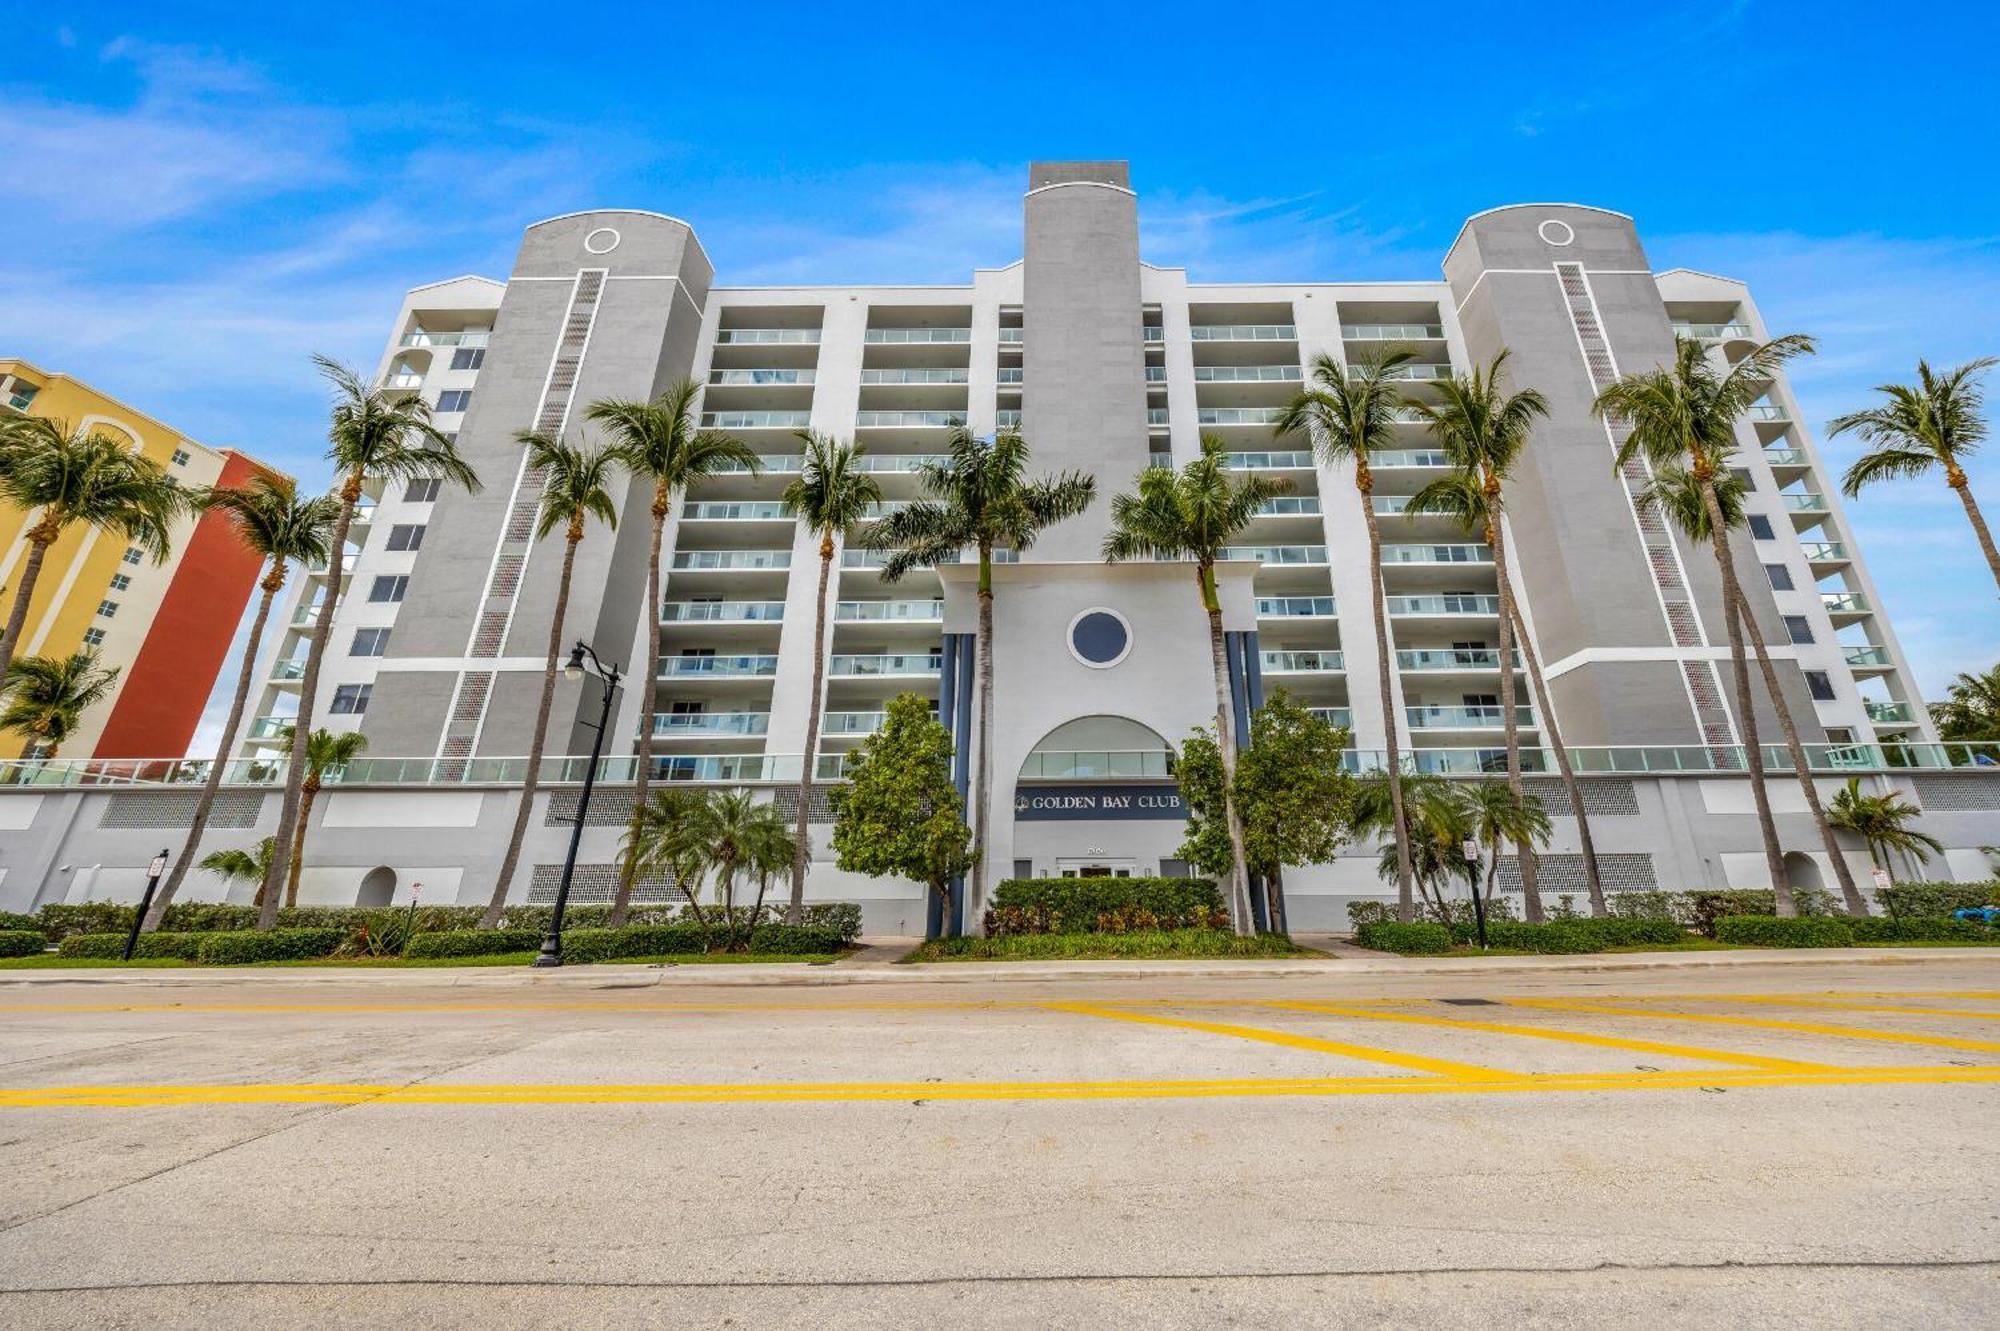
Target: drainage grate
point(1469, 1002)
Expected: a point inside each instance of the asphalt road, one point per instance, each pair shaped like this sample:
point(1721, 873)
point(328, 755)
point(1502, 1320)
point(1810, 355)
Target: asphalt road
point(1756, 1146)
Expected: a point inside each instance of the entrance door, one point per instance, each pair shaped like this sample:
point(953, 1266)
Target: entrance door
point(1096, 868)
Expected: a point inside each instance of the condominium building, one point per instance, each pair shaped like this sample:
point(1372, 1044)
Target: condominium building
point(165, 627)
point(1107, 364)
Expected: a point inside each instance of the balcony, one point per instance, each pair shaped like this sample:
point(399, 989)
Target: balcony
point(834, 725)
point(899, 462)
point(1242, 333)
point(755, 420)
point(907, 420)
point(1011, 374)
point(272, 727)
point(1430, 606)
point(1155, 374)
point(1712, 332)
point(713, 561)
point(1394, 458)
point(1436, 554)
point(1292, 460)
point(1392, 332)
point(290, 668)
point(1241, 374)
point(1010, 337)
point(1277, 554)
point(766, 463)
point(722, 612)
point(1868, 658)
point(1296, 607)
point(1237, 415)
point(1335, 716)
point(1290, 506)
point(1150, 334)
point(1302, 663)
point(853, 558)
point(1767, 413)
point(1787, 457)
point(405, 379)
point(718, 667)
point(1824, 552)
point(759, 510)
point(420, 338)
point(889, 612)
point(735, 768)
point(946, 375)
point(1804, 503)
point(1447, 660)
point(766, 337)
point(1093, 765)
point(763, 378)
point(1889, 713)
point(898, 665)
point(1007, 420)
point(1844, 603)
point(916, 336)
point(1466, 718)
point(695, 725)
point(1423, 372)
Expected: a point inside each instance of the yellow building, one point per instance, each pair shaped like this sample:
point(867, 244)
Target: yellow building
point(167, 626)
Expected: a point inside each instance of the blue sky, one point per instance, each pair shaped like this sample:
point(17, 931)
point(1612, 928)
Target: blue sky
point(200, 195)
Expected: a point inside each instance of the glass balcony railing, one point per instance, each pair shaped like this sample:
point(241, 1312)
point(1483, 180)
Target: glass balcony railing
point(1712, 332)
point(1408, 457)
point(889, 612)
point(1862, 657)
point(472, 338)
point(696, 724)
point(288, 668)
point(1290, 506)
point(1295, 607)
point(755, 420)
point(907, 420)
point(853, 558)
point(1155, 374)
point(1088, 765)
point(1436, 554)
point(1007, 420)
point(730, 768)
point(1455, 604)
point(1244, 374)
point(1767, 413)
point(717, 667)
point(402, 379)
point(1426, 372)
point(749, 510)
point(1238, 415)
point(883, 508)
point(1277, 554)
point(1156, 416)
point(1844, 603)
point(1888, 713)
point(1244, 333)
point(1452, 658)
point(1392, 332)
point(1010, 337)
point(950, 374)
point(918, 336)
point(851, 723)
point(1787, 457)
point(773, 463)
point(722, 612)
point(272, 727)
point(712, 561)
point(1824, 552)
point(1291, 460)
point(1152, 335)
point(763, 378)
point(1465, 718)
point(1335, 716)
point(1008, 375)
point(1302, 663)
point(767, 337)
point(899, 462)
point(894, 664)
point(1805, 503)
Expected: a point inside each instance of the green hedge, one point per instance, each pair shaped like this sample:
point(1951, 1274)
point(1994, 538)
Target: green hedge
point(12, 921)
point(1410, 940)
point(110, 947)
point(22, 942)
point(1921, 929)
point(1927, 899)
point(243, 947)
point(685, 940)
point(1770, 931)
point(1578, 935)
point(473, 943)
point(1091, 905)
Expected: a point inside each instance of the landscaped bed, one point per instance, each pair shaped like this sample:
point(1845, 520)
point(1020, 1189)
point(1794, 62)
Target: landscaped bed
point(1135, 945)
point(1089, 919)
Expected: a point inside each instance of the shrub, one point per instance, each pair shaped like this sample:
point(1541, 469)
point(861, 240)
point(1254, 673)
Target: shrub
point(85, 917)
point(473, 943)
point(22, 942)
point(1407, 939)
point(635, 940)
point(110, 947)
point(1674, 906)
point(1370, 912)
point(794, 940)
point(1928, 899)
point(1707, 906)
point(1110, 905)
point(1921, 929)
point(12, 921)
point(1770, 931)
point(1058, 947)
point(201, 917)
point(243, 947)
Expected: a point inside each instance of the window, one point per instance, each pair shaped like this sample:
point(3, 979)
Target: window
point(93, 637)
point(1780, 576)
point(1799, 628)
point(119, 582)
point(1820, 685)
point(1839, 735)
point(1760, 527)
point(422, 490)
point(181, 456)
point(468, 358)
point(388, 588)
point(406, 536)
point(369, 642)
point(133, 554)
point(1743, 474)
point(107, 608)
point(350, 699)
point(454, 399)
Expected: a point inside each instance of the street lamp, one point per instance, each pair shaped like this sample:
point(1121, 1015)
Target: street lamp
point(153, 872)
point(574, 671)
point(1471, 849)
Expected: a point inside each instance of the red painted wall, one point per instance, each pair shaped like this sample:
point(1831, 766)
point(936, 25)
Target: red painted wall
point(168, 683)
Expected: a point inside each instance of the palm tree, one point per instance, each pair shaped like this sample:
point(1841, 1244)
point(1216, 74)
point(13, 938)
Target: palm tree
point(325, 752)
point(982, 499)
point(660, 441)
point(1484, 431)
point(371, 432)
point(1194, 514)
point(1497, 813)
point(45, 697)
point(1349, 416)
point(1684, 416)
point(576, 486)
point(831, 494)
point(737, 832)
point(1935, 424)
point(1435, 829)
point(1882, 821)
point(233, 865)
point(79, 476)
point(281, 528)
point(664, 841)
point(1971, 708)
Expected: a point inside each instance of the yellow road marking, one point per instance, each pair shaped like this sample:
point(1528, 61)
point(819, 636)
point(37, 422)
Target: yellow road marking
point(1367, 1053)
point(1803, 1027)
point(1696, 1052)
point(1773, 1000)
point(801, 1092)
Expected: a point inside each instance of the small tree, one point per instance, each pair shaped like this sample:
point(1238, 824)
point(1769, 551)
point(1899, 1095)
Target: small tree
point(1883, 822)
point(1499, 813)
point(235, 865)
point(45, 697)
point(900, 813)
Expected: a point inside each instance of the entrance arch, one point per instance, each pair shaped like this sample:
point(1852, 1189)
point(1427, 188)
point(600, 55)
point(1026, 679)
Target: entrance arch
point(1098, 748)
point(1802, 871)
point(378, 888)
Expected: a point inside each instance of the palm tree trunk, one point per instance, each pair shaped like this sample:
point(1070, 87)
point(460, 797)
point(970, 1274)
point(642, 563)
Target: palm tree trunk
point(1524, 850)
point(295, 768)
point(1753, 751)
point(1956, 478)
point(531, 781)
point(1540, 688)
point(1225, 734)
point(795, 911)
point(205, 806)
point(17, 615)
point(621, 899)
point(307, 796)
point(1850, 895)
point(1364, 483)
point(982, 745)
point(1280, 920)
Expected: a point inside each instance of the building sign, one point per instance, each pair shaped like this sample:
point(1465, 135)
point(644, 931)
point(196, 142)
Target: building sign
point(1044, 804)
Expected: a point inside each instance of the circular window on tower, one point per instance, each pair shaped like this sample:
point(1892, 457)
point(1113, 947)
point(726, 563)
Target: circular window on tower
point(602, 241)
point(1555, 231)
point(1100, 638)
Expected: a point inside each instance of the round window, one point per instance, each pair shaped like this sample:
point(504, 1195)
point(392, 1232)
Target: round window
point(1099, 638)
point(1556, 231)
point(601, 241)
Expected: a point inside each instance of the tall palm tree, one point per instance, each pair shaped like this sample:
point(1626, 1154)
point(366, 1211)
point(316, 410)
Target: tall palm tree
point(576, 486)
point(370, 432)
point(1935, 424)
point(738, 831)
point(660, 441)
point(45, 697)
point(234, 865)
point(325, 752)
point(981, 498)
point(79, 476)
point(1194, 514)
point(1684, 417)
point(1483, 431)
point(1883, 822)
point(1435, 827)
point(664, 841)
point(831, 494)
point(1497, 813)
point(1349, 416)
point(272, 521)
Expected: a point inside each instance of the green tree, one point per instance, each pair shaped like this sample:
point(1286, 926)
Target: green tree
point(899, 813)
point(981, 498)
point(1685, 416)
point(79, 476)
point(663, 841)
point(326, 753)
point(371, 432)
point(1883, 823)
point(273, 522)
point(235, 865)
point(1436, 825)
point(1498, 813)
point(576, 486)
point(660, 441)
point(830, 496)
point(1483, 431)
point(1348, 415)
point(1193, 514)
point(44, 698)
point(1971, 707)
point(1934, 424)
point(739, 833)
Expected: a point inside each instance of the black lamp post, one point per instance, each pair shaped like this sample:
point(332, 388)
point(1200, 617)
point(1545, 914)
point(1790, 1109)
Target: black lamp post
point(551, 953)
point(1471, 849)
point(153, 872)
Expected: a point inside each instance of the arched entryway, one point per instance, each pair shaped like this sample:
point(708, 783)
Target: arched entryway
point(1096, 796)
point(1802, 872)
point(378, 888)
